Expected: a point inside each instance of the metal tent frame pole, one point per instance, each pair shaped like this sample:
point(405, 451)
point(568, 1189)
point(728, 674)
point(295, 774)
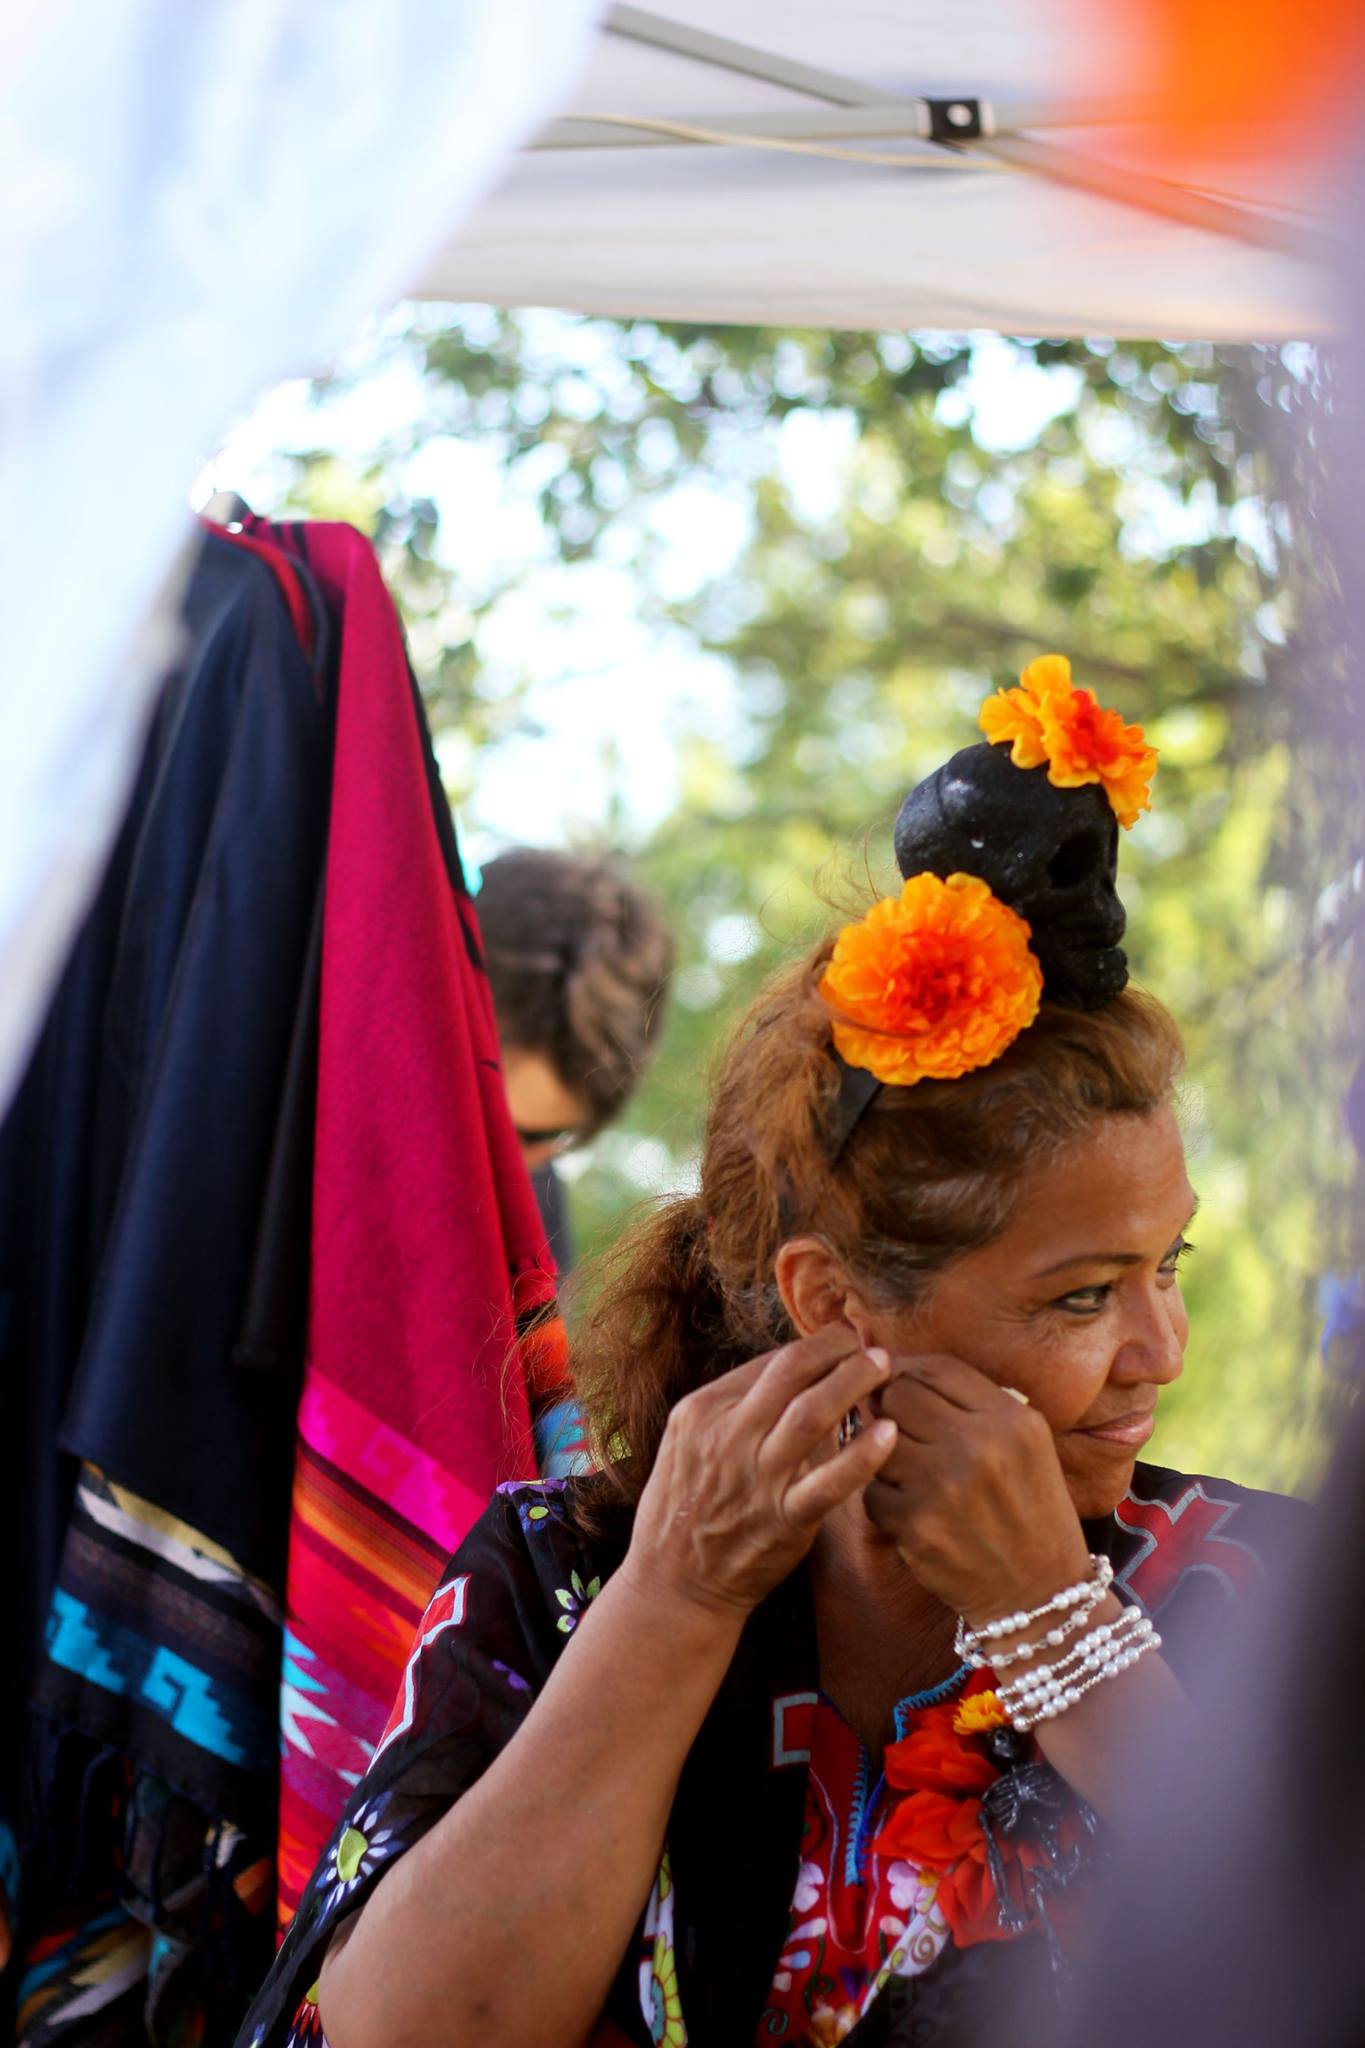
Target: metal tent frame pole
point(965, 133)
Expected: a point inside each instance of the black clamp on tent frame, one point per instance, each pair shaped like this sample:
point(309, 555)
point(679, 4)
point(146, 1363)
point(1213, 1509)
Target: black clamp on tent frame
point(956, 120)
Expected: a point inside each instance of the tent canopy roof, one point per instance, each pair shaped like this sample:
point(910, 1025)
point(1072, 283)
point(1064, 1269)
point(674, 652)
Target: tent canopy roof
point(839, 208)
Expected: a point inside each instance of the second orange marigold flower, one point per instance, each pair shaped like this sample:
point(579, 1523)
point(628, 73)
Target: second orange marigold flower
point(1046, 719)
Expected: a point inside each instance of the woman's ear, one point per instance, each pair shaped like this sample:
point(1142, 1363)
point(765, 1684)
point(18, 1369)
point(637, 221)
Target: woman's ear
point(814, 1287)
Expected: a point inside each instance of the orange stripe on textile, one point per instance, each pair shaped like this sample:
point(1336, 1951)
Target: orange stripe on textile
point(334, 1593)
point(295, 1856)
point(253, 1884)
point(403, 1567)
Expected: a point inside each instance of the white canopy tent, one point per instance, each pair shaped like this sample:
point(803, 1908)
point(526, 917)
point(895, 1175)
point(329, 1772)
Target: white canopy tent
point(282, 167)
point(885, 163)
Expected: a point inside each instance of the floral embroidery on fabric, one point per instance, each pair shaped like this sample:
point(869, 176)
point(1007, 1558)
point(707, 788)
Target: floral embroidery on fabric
point(539, 1502)
point(360, 1850)
point(660, 2001)
point(574, 1598)
point(857, 1918)
point(924, 1931)
point(307, 2022)
point(830, 2024)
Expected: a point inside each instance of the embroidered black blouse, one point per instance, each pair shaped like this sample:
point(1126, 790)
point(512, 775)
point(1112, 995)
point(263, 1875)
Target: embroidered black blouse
point(700, 1968)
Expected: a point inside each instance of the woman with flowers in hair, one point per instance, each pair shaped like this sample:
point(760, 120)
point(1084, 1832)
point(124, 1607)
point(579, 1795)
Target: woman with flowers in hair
point(809, 1711)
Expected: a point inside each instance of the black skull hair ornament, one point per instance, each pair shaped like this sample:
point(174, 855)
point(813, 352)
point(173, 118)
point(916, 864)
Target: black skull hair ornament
point(1010, 857)
point(1049, 853)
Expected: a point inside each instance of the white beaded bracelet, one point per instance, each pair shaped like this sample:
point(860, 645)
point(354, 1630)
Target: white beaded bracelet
point(1127, 1618)
point(1046, 1702)
point(1111, 1668)
point(1025, 1652)
point(1113, 1647)
point(1124, 1623)
point(1053, 1687)
point(971, 1643)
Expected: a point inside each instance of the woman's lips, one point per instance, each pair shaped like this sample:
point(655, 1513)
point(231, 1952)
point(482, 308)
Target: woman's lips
point(1128, 1430)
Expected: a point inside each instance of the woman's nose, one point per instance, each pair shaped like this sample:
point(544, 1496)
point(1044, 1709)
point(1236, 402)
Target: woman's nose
point(1153, 1347)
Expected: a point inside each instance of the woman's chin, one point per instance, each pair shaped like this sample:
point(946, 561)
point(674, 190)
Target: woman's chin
point(1097, 1489)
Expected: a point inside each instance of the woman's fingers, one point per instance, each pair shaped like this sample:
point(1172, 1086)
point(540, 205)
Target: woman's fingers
point(788, 1372)
point(811, 1416)
point(809, 1499)
point(931, 1395)
point(954, 1381)
point(885, 1504)
point(920, 1411)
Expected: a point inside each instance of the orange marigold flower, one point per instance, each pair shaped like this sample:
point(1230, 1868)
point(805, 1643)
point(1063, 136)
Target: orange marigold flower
point(932, 983)
point(933, 1759)
point(933, 1830)
point(969, 1902)
point(938, 1775)
point(978, 1713)
point(1046, 719)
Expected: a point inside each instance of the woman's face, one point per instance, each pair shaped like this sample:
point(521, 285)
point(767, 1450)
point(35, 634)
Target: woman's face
point(1077, 1303)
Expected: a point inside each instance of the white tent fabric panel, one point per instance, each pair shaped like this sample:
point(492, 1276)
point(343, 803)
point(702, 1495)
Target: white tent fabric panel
point(199, 200)
point(641, 223)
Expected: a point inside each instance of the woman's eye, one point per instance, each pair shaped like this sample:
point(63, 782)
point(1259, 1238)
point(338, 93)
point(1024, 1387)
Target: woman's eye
point(1088, 1301)
point(1085, 1301)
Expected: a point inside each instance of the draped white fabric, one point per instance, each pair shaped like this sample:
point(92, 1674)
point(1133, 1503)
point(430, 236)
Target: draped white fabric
point(199, 200)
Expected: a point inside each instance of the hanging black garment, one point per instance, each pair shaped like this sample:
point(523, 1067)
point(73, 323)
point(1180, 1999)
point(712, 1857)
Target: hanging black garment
point(201, 1011)
point(48, 1254)
point(150, 1173)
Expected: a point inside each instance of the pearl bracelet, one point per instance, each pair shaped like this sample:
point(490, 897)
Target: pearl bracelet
point(1042, 1694)
point(1111, 1669)
point(1096, 1643)
point(971, 1643)
point(1025, 1652)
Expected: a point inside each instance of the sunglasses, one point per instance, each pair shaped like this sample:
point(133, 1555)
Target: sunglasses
point(560, 1138)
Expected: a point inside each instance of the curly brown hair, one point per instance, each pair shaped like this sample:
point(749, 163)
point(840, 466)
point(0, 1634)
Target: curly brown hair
point(931, 1172)
point(579, 958)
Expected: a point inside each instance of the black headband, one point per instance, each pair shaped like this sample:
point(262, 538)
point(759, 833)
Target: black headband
point(857, 1089)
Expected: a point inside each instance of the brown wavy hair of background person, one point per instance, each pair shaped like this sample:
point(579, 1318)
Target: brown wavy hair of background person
point(579, 958)
point(930, 1173)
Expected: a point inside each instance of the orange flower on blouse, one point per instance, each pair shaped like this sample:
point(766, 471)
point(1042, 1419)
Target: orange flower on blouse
point(978, 1712)
point(1047, 719)
point(932, 983)
point(944, 1768)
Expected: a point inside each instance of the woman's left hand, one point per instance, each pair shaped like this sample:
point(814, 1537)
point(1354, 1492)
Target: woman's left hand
point(973, 1493)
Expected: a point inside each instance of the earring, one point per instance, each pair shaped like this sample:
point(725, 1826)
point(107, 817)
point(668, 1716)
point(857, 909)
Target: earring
point(850, 1426)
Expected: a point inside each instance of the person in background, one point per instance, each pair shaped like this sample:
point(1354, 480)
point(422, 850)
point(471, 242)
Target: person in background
point(579, 959)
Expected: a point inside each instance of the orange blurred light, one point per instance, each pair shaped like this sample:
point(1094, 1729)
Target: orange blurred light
point(1216, 71)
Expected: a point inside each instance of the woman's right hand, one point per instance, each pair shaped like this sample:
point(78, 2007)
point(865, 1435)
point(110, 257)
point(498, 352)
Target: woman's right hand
point(747, 1471)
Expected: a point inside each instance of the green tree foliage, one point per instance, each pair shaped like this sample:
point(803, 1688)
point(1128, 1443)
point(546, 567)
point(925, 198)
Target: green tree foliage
point(1160, 526)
